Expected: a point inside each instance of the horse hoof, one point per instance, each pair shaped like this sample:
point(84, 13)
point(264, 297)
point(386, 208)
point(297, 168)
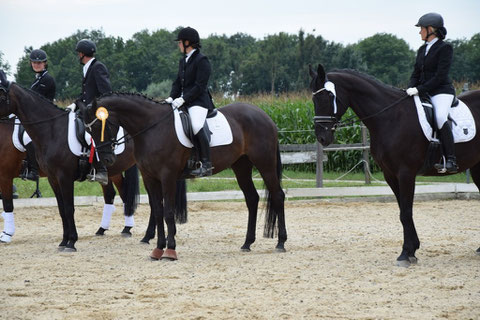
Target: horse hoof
point(403, 263)
point(67, 249)
point(145, 241)
point(245, 249)
point(280, 249)
point(100, 232)
point(478, 251)
point(156, 254)
point(413, 260)
point(126, 234)
point(169, 254)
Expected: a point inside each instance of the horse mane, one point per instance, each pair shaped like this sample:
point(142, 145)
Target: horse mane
point(367, 78)
point(129, 94)
point(38, 95)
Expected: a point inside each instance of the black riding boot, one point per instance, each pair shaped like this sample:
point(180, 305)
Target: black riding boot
point(99, 173)
point(32, 173)
point(204, 150)
point(448, 144)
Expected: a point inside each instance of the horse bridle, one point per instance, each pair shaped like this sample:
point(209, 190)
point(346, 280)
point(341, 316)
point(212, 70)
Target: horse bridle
point(325, 121)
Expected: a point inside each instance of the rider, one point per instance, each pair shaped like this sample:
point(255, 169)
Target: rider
point(430, 77)
point(95, 83)
point(43, 84)
point(190, 89)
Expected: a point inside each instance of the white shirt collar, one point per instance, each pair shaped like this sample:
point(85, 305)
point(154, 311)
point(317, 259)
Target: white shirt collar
point(86, 66)
point(430, 44)
point(190, 54)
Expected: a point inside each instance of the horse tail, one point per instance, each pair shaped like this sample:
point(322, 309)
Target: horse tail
point(270, 228)
point(131, 190)
point(181, 202)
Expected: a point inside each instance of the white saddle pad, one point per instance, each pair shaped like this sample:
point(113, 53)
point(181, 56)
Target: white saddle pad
point(75, 145)
point(16, 142)
point(464, 128)
point(218, 125)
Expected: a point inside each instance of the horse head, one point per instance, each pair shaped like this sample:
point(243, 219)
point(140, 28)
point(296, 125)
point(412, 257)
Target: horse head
point(324, 101)
point(102, 130)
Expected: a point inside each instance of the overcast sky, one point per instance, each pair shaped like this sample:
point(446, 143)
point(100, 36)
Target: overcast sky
point(25, 23)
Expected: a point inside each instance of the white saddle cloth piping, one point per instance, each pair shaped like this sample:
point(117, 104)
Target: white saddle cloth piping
point(464, 128)
point(218, 125)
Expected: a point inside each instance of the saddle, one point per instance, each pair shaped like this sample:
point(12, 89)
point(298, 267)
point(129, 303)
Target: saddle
point(84, 166)
point(429, 112)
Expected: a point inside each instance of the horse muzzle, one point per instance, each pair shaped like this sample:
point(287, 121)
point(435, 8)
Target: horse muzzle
point(325, 127)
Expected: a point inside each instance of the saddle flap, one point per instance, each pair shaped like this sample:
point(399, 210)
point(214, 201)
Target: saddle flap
point(80, 131)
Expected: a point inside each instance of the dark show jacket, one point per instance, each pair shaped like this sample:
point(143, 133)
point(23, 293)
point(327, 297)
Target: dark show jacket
point(96, 82)
point(430, 75)
point(195, 81)
point(44, 84)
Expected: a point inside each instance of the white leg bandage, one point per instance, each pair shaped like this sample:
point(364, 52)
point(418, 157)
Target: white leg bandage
point(197, 115)
point(129, 221)
point(108, 210)
point(8, 227)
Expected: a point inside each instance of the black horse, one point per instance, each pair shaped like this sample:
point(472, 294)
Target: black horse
point(47, 126)
point(162, 159)
point(397, 142)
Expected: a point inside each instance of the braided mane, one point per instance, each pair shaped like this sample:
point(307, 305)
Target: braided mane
point(367, 78)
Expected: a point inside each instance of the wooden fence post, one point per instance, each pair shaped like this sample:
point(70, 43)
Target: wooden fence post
point(319, 173)
point(366, 168)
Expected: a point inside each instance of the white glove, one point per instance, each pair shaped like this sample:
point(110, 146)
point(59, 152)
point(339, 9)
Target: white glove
point(169, 100)
point(71, 107)
point(177, 103)
point(412, 91)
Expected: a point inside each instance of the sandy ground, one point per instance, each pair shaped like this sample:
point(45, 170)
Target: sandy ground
point(339, 265)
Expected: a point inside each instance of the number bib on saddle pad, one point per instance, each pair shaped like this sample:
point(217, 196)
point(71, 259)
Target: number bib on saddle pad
point(218, 125)
point(463, 124)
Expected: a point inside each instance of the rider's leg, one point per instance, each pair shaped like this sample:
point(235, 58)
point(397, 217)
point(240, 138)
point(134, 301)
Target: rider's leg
point(198, 115)
point(442, 103)
point(32, 163)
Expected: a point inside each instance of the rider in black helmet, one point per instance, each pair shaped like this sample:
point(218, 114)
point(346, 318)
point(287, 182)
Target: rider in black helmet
point(43, 84)
point(190, 89)
point(96, 81)
point(430, 77)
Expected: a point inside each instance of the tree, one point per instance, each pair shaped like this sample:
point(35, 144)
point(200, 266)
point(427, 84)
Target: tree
point(387, 57)
point(4, 65)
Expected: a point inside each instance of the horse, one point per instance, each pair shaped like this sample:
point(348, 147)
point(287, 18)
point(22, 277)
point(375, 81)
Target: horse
point(161, 159)
point(47, 126)
point(397, 142)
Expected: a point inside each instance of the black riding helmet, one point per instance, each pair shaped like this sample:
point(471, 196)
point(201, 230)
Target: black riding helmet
point(435, 20)
point(191, 35)
point(38, 55)
point(87, 47)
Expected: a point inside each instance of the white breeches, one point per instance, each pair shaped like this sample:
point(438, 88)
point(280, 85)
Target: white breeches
point(441, 104)
point(197, 115)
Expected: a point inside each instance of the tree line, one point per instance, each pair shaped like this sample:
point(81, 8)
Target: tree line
point(241, 64)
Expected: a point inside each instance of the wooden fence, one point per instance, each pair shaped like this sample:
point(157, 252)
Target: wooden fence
point(314, 153)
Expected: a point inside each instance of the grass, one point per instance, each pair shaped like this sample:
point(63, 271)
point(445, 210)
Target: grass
point(225, 181)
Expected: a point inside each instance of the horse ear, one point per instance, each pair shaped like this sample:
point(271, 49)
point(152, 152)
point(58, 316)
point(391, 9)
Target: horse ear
point(311, 71)
point(321, 73)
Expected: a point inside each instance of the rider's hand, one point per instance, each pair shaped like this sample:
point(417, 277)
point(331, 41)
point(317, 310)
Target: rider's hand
point(177, 103)
point(412, 91)
point(169, 100)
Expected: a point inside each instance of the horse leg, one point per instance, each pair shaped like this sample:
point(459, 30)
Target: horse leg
point(63, 189)
point(6, 185)
point(272, 176)
point(404, 190)
point(243, 171)
point(108, 208)
point(129, 205)
point(154, 190)
point(475, 173)
point(169, 190)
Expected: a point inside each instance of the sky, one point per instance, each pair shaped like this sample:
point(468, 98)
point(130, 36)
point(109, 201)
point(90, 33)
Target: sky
point(25, 23)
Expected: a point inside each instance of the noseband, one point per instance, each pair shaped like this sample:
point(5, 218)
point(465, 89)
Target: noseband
point(325, 121)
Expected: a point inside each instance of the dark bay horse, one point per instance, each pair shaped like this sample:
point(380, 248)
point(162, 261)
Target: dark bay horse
point(11, 164)
point(47, 126)
point(397, 142)
point(161, 159)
